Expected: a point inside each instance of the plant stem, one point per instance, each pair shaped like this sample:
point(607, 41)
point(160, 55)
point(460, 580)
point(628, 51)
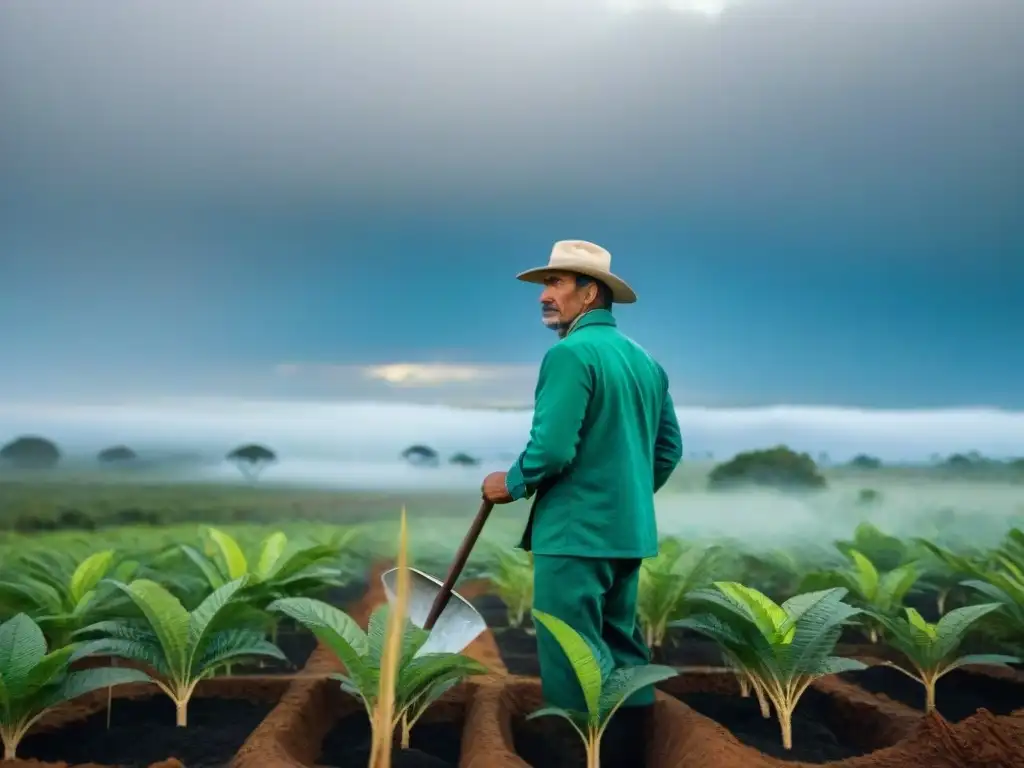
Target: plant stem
point(10, 745)
point(929, 693)
point(594, 750)
point(762, 701)
point(940, 601)
point(181, 713)
point(406, 730)
point(744, 682)
point(785, 715)
point(873, 635)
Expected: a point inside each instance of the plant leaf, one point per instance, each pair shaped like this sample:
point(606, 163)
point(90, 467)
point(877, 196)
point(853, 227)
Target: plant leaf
point(270, 552)
point(88, 680)
point(625, 681)
point(22, 647)
point(234, 559)
point(203, 617)
point(167, 618)
point(88, 574)
point(209, 569)
point(582, 658)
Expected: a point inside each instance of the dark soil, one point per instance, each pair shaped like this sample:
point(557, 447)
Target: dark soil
point(431, 745)
point(518, 647)
point(548, 742)
point(814, 740)
point(551, 742)
point(346, 596)
point(682, 648)
point(142, 732)
point(958, 694)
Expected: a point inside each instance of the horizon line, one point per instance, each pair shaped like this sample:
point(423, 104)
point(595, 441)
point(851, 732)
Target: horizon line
point(180, 400)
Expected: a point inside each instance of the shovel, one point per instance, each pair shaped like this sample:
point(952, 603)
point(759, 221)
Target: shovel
point(452, 624)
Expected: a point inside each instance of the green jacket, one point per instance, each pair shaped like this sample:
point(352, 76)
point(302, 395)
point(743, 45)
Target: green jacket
point(604, 439)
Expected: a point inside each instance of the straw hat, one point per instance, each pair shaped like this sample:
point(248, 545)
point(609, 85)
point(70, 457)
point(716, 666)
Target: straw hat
point(583, 258)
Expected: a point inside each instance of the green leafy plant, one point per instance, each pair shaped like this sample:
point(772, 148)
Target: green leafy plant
point(33, 681)
point(878, 593)
point(779, 572)
point(665, 581)
point(62, 593)
point(512, 580)
point(181, 648)
point(884, 551)
point(276, 570)
point(603, 695)
point(1006, 589)
point(931, 649)
point(422, 678)
point(781, 648)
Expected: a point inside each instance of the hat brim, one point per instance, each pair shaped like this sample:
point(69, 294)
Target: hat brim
point(621, 292)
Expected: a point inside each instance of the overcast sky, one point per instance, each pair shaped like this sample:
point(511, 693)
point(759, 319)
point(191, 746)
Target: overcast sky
point(818, 202)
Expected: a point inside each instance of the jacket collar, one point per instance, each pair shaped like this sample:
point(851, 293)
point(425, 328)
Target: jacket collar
point(593, 317)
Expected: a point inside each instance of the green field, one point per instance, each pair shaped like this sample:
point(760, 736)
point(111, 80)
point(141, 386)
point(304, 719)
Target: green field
point(904, 562)
point(99, 510)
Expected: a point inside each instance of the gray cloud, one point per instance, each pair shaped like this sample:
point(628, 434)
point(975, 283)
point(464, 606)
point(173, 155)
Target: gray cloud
point(895, 111)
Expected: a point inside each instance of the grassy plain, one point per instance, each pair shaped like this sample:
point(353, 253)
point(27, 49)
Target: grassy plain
point(100, 509)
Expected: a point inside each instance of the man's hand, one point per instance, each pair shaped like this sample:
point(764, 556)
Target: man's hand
point(494, 489)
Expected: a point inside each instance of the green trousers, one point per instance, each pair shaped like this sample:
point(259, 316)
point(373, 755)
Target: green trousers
point(597, 598)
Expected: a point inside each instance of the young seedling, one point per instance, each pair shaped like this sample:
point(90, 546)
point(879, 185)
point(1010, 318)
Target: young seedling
point(1005, 587)
point(603, 696)
point(33, 681)
point(276, 571)
point(62, 593)
point(781, 648)
point(931, 649)
point(181, 648)
point(886, 552)
point(420, 679)
point(944, 569)
point(877, 593)
point(512, 578)
point(665, 581)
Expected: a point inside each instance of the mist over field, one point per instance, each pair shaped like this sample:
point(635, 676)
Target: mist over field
point(311, 433)
point(362, 442)
point(352, 446)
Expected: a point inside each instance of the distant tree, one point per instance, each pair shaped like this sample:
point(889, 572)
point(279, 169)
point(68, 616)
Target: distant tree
point(1017, 465)
point(777, 467)
point(30, 452)
point(863, 461)
point(868, 496)
point(463, 460)
point(824, 459)
point(421, 455)
point(116, 454)
point(958, 461)
point(251, 459)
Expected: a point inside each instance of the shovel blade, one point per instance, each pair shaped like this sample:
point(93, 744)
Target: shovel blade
point(459, 623)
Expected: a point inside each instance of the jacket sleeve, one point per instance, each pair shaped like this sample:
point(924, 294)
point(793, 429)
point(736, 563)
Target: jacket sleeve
point(668, 445)
point(564, 389)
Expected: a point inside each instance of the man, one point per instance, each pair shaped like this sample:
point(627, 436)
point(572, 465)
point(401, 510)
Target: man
point(604, 439)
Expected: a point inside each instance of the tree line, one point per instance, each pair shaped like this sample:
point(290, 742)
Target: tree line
point(777, 467)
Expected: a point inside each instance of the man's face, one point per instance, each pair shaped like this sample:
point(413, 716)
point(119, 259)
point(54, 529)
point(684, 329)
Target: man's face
point(562, 300)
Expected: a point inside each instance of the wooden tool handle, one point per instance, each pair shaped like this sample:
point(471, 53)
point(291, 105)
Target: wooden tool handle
point(457, 565)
